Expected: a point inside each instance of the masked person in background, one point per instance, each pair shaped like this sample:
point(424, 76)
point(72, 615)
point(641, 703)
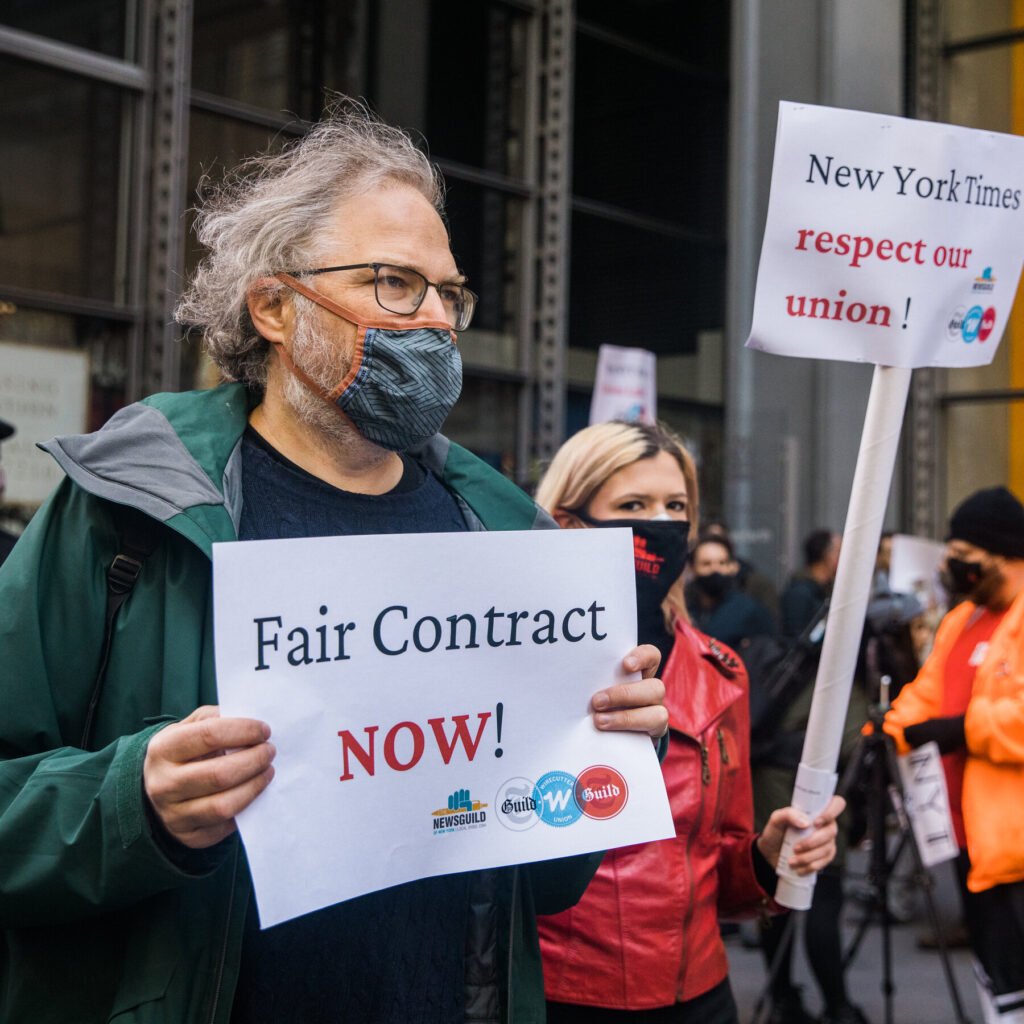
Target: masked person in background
point(716, 604)
point(644, 943)
point(330, 296)
point(969, 699)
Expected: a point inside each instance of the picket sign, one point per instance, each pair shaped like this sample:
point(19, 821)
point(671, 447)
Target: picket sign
point(625, 385)
point(858, 264)
point(429, 700)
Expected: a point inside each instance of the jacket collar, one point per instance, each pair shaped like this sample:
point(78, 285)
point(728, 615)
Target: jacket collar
point(177, 458)
point(702, 679)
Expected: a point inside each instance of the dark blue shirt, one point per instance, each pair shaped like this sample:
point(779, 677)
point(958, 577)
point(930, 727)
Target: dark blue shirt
point(391, 957)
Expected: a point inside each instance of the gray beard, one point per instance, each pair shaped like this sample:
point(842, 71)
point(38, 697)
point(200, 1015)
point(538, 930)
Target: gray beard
point(316, 355)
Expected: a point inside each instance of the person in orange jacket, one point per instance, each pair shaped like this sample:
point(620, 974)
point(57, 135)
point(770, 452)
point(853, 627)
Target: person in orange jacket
point(644, 942)
point(969, 699)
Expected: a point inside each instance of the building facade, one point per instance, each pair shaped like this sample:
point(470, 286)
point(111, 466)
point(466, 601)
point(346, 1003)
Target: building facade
point(607, 162)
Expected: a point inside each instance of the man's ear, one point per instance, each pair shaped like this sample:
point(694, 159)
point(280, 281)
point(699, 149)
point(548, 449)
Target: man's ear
point(271, 312)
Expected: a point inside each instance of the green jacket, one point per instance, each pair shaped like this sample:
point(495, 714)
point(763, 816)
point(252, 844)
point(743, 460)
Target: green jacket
point(102, 921)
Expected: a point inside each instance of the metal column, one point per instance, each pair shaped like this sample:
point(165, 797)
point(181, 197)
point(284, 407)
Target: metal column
point(172, 19)
point(554, 181)
point(922, 451)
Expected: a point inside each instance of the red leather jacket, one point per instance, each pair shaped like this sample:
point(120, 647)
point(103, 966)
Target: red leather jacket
point(646, 932)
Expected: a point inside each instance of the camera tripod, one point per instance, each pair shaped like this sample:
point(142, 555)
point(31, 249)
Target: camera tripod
point(875, 759)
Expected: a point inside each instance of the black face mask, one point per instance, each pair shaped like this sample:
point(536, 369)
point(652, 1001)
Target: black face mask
point(659, 557)
point(715, 585)
point(961, 577)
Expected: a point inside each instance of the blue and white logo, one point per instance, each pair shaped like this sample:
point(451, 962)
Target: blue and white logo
point(972, 323)
point(555, 796)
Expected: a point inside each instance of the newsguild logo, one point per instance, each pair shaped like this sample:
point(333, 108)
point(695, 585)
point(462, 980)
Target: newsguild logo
point(515, 804)
point(461, 814)
point(985, 283)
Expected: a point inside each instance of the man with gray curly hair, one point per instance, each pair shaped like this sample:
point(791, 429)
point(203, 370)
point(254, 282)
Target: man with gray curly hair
point(331, 302)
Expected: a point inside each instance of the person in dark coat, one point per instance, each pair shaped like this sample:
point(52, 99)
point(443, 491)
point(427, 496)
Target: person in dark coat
point(749, 578)
point(806, 592)
point(713, 598)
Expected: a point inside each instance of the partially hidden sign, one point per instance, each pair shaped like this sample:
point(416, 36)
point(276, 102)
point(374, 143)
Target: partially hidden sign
point(888, 241)
point(428, 695)
point(625, 385)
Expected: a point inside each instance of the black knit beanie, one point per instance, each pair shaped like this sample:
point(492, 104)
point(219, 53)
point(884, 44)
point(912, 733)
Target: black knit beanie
point(992, 519)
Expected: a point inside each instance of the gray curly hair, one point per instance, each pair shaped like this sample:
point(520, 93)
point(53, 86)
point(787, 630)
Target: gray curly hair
point(269, 215)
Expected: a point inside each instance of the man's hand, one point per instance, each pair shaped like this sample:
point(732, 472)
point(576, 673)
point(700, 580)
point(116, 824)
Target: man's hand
point(814, 851)
point(200, 772)
point(634, 707)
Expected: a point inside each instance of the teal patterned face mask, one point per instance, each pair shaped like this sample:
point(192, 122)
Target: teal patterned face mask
point(406, 375)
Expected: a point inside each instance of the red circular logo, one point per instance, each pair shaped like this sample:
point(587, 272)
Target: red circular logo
point(988, 321)
point(601, 791)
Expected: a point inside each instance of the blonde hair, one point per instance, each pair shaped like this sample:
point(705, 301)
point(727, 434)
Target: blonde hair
point(584, 463)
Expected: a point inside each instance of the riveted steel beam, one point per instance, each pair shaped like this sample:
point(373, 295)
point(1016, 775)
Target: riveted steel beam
point(553, 226)
point(922, 452)
point(171, 58)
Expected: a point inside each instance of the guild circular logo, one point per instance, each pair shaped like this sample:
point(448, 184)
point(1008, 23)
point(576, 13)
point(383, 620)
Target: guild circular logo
point(601, 791)
point(555, 794)
point(972, 324)
point(516, 805)
point(956, 324)
point(988, 323)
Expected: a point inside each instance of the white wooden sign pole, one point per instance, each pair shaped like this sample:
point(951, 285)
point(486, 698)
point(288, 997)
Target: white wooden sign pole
point(816, 777)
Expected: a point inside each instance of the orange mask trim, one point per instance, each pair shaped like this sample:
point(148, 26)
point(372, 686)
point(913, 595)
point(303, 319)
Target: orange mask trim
point(392, 322)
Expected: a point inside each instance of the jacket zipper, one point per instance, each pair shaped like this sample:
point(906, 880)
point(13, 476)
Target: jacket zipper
point(705, 778)
point(723, 751)
point(723, 759)
point(218, 982)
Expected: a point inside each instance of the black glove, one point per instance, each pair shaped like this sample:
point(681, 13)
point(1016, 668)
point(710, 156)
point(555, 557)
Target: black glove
point(947, 732)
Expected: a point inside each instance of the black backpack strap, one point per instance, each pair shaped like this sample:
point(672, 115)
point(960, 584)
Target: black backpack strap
point(137, 536)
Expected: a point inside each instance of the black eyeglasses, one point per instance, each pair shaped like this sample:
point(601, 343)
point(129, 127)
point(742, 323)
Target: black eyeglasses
point(402, 290)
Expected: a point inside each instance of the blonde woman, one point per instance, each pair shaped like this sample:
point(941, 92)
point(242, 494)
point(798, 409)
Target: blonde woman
point(643, 944)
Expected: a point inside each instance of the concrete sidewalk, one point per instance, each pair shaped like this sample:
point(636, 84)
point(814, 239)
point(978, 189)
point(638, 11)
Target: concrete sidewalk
point(921, 992)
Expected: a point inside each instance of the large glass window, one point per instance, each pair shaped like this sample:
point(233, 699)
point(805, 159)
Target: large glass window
point(697, 34)
point(106, 26)
point(279, 56)
point(650, 134)
point(633, 286)
point(63, 198)
point(486, 235)
point(476, 85)
point(647, 266)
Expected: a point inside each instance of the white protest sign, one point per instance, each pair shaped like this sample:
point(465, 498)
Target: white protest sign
point(914, 567)
point(927, 803)
point(625, 385)
point(428, 696)
point(44, 392)
point(889, 241)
